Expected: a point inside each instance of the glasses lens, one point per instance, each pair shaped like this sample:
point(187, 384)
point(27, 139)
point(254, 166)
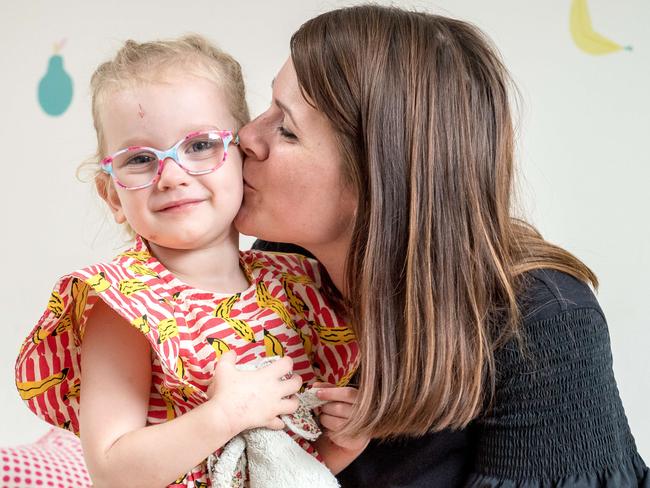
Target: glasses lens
point(202, 152)
point(135, 167)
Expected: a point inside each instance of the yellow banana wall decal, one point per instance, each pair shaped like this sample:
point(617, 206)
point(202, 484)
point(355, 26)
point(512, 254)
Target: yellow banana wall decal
point(584, 35)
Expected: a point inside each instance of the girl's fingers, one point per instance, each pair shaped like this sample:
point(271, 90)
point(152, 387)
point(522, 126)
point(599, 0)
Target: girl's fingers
point(288, 405)
point(320, 384)
point(280, 368)
point(275, 424)
point(290, 386)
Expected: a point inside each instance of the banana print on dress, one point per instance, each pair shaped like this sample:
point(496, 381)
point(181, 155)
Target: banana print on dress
point(141, 269)
point(74, 390)
point(129, 287)
point(55, 304)
point(187, 331)
point(218, 345)
point(30, 389)
point(167, 329)
point(142, 324)
point(272, 345)
point(266, 300)
point(99, 282)
point(223, 312)
point(80, 297)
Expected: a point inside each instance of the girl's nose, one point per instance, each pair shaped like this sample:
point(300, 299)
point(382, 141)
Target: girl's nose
point(172, 175)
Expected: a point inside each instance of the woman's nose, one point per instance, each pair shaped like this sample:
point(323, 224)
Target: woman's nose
point(253, 139)
point(172, 175)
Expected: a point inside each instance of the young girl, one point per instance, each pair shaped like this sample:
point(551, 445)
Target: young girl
point(158, 330)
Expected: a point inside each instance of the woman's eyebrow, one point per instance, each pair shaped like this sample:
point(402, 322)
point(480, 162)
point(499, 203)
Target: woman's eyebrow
point(286, 110)
point(283, 106)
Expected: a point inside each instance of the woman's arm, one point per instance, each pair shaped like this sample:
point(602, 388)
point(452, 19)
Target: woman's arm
point(120, 450)
point(557, 418)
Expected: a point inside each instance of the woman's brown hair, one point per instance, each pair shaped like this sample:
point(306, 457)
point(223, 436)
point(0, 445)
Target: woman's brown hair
point(420, 104)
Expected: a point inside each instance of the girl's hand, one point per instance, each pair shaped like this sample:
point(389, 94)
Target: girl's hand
point(334, 415)
point(250, 399)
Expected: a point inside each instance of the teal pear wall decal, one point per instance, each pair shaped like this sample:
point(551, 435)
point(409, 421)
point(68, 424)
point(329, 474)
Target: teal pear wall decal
point(55, 88)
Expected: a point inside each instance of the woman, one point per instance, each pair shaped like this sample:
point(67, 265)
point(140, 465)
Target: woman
point(387, 153)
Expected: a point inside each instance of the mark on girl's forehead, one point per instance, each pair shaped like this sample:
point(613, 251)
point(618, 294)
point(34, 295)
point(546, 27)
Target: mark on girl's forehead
point(140, 111)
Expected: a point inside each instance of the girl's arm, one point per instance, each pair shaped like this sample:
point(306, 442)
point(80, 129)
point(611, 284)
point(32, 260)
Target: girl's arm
point(337, 452)
point(119, 449)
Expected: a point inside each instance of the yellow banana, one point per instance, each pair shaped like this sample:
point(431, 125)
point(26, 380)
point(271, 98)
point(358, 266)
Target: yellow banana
point(218, 345)
point(584, 35)
point(99, 282)
point(272, 345)
point(345, 379)
point(169, 402)
point(80, 297)
point(30, 389)
point(142, 324)
point(181, 480)
point(141, 269)
point(129, 287)
point(239, 326)
point(334, 335)
point(306, 343)
point(142, 256)
point(266, 300)
point(291, 278)
point(295, 301)
point(186, 391)
point(39, 335)
point(74, 391)
point(64, 324)
point(55, 304)
point(167, 329)
point(180, 368)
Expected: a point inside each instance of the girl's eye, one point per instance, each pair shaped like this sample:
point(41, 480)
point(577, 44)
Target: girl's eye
point(199, 146)
point(140, 159)
point(286, 133)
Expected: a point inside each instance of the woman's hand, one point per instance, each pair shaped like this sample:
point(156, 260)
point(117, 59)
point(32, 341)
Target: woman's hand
point(334, 415)
point(250, 399)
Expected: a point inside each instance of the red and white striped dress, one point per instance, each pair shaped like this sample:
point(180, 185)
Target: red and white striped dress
point(282, 312)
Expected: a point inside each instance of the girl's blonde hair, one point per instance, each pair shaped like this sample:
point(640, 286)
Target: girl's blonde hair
point(148, 62)
point(144, 62)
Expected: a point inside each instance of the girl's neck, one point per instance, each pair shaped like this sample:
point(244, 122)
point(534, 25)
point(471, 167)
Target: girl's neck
point(213, 267)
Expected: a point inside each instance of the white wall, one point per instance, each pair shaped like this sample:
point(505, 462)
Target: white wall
point(584, 148)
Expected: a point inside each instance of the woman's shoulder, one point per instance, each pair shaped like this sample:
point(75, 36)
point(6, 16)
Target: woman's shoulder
point(556, 417)
point(546, 293)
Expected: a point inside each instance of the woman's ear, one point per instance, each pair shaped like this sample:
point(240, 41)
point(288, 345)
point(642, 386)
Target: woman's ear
point(107, 192)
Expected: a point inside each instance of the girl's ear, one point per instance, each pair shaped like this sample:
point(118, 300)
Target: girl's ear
point(107, 192)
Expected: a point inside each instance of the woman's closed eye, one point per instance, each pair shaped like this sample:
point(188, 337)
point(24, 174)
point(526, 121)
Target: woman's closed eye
point(287, 134)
